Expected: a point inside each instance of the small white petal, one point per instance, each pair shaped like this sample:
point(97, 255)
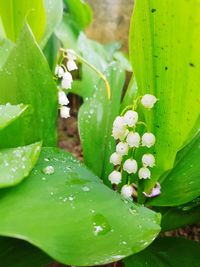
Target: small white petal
point(131, 118)
point(65, 112)
point(148, 160)
point(62, 98)
point(116, 158)
point(115, 177)
point(119, 122)
point(67, 80)
point(119, 133)
point(71, 65)
point(127, 191)
point(148, 139)
point(59, 71)
point(71, 54)
point(148, 101)
point(133, 139)
point(144, 173)
point(155, 191)
point(122, 148)
point(130, 166)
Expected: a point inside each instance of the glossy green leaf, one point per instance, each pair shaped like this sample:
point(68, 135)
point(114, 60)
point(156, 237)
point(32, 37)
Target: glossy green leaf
point(167, 252)
point(164, 50)
point(5, 48)
point(14, 12)
point(9, 113)
point(183, 182)
point(26, 78)
point(17, 253)
point(72, 216)
point(54, 12)
point(81, 12)
point(96, 117)
point(16, 163)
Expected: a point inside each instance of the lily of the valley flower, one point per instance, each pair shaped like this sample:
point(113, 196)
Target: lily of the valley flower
point(71, 54)
point(71, 65)
point(115, 158)
point(144, 173)
point(148, 101)
point(131, 118)
point(59, 71)
point(155, 191)
point(66, 80)
point(133, 139)
point(122, 148)
point(148, 160)
point(130, 166)
point(127, 191)
point(62, 98)
point(115, 177)
point(148, 140)
point(65, 112)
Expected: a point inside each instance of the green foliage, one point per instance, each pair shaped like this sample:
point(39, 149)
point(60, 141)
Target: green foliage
point(164, 50)
point(72, 216)
point(26, 78)
point(5, 48)
point(168, 251)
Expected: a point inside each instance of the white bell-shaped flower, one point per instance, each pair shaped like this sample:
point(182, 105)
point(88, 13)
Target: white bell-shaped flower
point(131, 118)
point(119, 122)
point(130, 166)
point(144, 173)
point(71, 54)
point(71, 65)
point(148, 139)
point(59, 71)
point(62, 98)
point(155, 191)
point(148, 160)
point(65, 112)
point(119, 133)
point(115, 177)
point(133, 139)
point(122, 148)
point(148, 101)
point(116, 158)
point(67, 80)
point(127, 191)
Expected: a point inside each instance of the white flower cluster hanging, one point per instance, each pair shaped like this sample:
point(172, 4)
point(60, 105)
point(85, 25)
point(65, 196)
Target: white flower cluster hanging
point(63, 72)
point(124, 131)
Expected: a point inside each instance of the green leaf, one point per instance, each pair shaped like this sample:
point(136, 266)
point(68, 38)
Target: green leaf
point(17, 253)
point(26, 78)
point(167, 252)
point(5, 48)
point(130, 94)
point(96, 117)
point(16, 163)
point(72, 216)
point(164, 50)
point(54, 12)
point(14, 12)
point(9, 113)
point(81, 12)
point(183, 183)
point(122, 58)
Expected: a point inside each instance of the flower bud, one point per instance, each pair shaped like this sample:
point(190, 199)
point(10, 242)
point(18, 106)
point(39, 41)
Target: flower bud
point(64, 112)
point(148, 139)
point(116, 158)
point(115, 177)
point(67, 80)
point(131, 118)
point(148, 101)
point(119, 133)
point(62, 98)
point(130, 166)
point(127, 191)
point(71, 54)
point(133, 139)
point(59, 71)
point(148, 160)
point(122, 148)
point(71, 65)
point(155, 191)
point(144, 173)
point(119, 122)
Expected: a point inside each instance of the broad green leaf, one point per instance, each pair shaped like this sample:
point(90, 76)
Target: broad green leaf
point(9, 113)
point(17, 253)
point(72, 216)
point(122, 58)
point(54, 12)
point(81, 12)
point(167, 252)
point(96, 117)
point(16, 163)
point(14, 12)
point(183, 183)
point(5, 48)
point(26, 78)
point(164, 50)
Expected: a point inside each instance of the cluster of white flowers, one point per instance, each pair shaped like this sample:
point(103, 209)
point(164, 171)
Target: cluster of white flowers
point(63, 72)
point(124, 131)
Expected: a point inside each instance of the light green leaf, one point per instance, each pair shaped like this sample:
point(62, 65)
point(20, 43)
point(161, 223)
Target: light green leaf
point(167, 252)
point(164, 50)
point(16, 163)
point(9, 113)
point(96, 117)
point(122, 58)
point(72, 216)
point(14, 12)
point(17, 253)
point(183, 183)
point(26, 78)
point(5, 48)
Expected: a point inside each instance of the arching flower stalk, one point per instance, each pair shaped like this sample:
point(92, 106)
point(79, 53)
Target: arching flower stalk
point(125, 132)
